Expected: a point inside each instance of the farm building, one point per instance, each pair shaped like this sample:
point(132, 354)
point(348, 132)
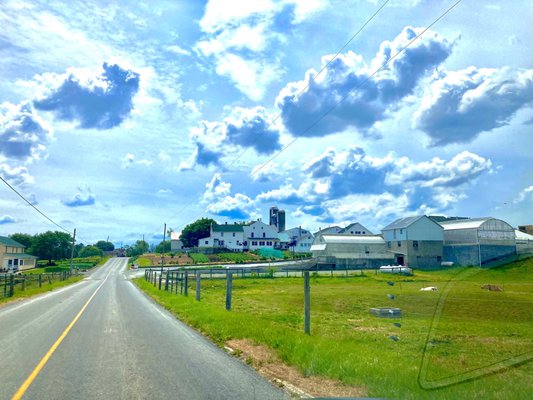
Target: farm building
point(175, 243)
point(12, 256)
point(415, 242)
point(524, 242)
point(225, 236)
point(351, 251)
point(356, 229)
point(477, 241)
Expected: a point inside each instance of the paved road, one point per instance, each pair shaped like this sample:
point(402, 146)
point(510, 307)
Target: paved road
point(123, 346)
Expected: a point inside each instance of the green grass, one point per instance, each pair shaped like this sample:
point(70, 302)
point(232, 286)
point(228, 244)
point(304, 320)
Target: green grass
point(236, 257)
point(472, 329)
point(198, 258)
point(32, 288)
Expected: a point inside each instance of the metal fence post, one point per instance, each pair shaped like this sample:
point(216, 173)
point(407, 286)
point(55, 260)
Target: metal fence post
point(229, 285)
point(198, 279)
point(166, 281)
point(307, 304)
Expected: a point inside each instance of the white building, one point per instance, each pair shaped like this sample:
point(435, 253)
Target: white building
point(259, 235)
point(175, 243)
point(355, 229)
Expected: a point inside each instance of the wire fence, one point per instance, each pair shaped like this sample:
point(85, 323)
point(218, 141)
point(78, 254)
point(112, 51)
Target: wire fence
point(10, 284)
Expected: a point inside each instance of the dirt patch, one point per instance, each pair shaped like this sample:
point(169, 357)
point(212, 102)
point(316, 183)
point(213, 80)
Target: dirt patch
point(268, 364)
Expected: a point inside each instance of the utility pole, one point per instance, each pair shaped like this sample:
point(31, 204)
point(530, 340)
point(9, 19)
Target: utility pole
point(72, 249)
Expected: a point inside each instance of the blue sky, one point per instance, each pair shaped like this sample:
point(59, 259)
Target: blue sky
point(118, 117)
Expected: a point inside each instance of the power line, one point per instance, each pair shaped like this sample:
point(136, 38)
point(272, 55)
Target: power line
point(312, 79)
point(34, 207)
point(334, 106)
point(302, 90)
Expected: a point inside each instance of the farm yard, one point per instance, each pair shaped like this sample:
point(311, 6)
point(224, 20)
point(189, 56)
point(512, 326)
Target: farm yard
point(184, 259)
point(471, 337)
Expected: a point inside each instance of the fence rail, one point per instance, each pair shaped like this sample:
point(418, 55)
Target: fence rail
point(177, 280)
point(12, 283)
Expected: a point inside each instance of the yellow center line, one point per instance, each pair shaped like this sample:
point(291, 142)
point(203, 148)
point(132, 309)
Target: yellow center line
point(29, 380)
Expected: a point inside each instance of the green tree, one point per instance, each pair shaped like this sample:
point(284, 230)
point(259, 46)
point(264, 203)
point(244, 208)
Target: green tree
point(139, 248)
point(195, 231)
point(91, 251)
point(105, 245)
point(23, 238)
point(51, 246)
point(163, 247)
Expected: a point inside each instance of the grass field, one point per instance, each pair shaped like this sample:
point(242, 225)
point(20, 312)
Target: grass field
point(33, 288)
point(459, 342)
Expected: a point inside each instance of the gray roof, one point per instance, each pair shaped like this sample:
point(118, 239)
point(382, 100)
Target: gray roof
point(228, 228)
point(402, 223)
point(9, 242)
point(471, 223)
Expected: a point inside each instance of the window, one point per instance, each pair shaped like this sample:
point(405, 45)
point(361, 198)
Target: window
point(399, 244)
point(261, 243)
point(264, 234)
point(252, 234)
point(21, 263)
point(233, 234)
point(221, 234)
point(415, 244)
point(401, 231)
point(207, 242)
point(254, 243)
point(388, 245)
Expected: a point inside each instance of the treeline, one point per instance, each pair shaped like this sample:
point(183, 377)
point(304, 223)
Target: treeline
point(57, 246)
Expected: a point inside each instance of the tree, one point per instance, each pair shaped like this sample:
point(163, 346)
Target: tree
point(163, 247)
point(91, 251)
point(51, 245)
point(195, 231)
point(105, 245)
point(139, 248)
point(23, 238)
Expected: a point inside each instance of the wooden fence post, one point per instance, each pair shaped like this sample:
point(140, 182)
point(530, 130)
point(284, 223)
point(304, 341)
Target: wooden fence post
point(198, 279)
point(307, 304)
point(229, 285)
point(160, 279)
point(166, 281)
point(12, 285)
point(23, 282)
point(40, 280)
point(186, 291)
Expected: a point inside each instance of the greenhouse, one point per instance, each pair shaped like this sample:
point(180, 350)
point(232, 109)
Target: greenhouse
point(477, 241)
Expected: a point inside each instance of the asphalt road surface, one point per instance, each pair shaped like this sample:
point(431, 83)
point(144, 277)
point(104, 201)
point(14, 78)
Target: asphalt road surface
point(104, 339)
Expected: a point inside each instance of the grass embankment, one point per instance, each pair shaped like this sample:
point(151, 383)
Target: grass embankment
point(32, 284)
point(32, 288)
point(473, 328)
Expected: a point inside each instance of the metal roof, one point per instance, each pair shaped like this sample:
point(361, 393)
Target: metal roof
point(353, 239)
point(472, 223)
point(522, 235)
point(19, 255)
point(10, 242)
point(402, 223)
point(228, 228)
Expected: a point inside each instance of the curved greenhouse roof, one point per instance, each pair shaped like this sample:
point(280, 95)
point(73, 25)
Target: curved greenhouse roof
point(472, 223)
